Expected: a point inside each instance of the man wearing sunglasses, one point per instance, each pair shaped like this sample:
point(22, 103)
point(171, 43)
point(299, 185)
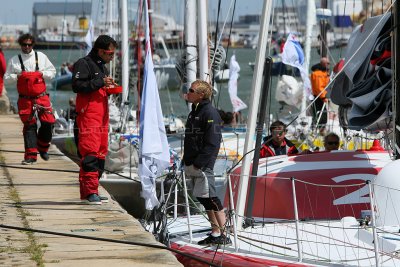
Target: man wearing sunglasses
point(92, 83)
point(331, 142)
point(276, 143)
point(201, 147)
point(30, 69)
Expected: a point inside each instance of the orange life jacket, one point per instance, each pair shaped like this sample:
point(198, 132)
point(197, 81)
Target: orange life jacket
point(319, 80)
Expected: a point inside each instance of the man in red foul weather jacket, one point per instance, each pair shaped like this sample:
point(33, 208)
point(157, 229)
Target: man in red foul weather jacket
point(29, 69)
point(91, 82)
point(276, 143)
point(2, 70)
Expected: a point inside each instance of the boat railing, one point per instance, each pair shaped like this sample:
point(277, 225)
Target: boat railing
point(360, 217)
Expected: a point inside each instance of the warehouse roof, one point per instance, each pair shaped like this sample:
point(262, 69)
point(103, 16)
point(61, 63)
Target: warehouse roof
point(72, 8)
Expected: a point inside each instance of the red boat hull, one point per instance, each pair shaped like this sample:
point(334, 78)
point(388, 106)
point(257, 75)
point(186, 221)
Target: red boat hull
point(273, 197)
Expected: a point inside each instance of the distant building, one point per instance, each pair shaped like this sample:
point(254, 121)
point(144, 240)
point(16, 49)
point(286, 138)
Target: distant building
point(54, 21)
point(286, 20)
point(249, 19)
point(9, 33)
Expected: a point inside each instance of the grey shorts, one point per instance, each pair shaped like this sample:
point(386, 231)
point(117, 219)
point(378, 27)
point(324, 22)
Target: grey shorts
point(203, 181)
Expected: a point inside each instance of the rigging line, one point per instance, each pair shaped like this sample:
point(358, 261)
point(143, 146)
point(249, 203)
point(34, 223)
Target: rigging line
point(36, 169)
point(372, 8)
point(227, 49)
point(215, 38)
point(265, 242)
point(18, 151)
point(327, 185)
point(262, 248)
point(134, 243)
point(2, 164)
point(276, 245)
point(248, 152)
point(387, 187)
point(342, 19)
point(284, 17)
point(296, 20)
point(61, 47)
point(344, 66)
point(52, 154)
point(345, 242)
point(220, 36)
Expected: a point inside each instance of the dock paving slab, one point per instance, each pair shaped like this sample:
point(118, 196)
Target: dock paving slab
point(49, 200)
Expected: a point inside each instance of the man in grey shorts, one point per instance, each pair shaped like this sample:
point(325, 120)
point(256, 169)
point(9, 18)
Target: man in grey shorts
point(202, 142)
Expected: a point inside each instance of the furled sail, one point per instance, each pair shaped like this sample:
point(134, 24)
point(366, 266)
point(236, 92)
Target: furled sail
point(363, 88)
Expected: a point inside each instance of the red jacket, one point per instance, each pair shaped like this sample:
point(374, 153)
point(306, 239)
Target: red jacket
point(270, 148)
point(2, 65)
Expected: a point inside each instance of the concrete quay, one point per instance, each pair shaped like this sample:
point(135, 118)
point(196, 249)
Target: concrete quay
point(49, 200)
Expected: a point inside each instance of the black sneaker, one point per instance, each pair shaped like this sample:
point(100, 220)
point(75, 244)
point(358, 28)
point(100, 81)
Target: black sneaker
point(92, 199)
point(44, 156)
point(28, 161)
point(103, 199)
point(208, 240)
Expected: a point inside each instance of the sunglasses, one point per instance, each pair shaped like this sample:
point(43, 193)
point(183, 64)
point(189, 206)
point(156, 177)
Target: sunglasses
point(332, 143)
point(191, 90)
point(278, 132)
point(25, 44)
point(109, 52)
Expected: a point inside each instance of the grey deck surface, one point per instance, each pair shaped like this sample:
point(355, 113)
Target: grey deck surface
point(48, 200)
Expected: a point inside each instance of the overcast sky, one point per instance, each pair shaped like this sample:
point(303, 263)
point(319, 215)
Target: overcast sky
point(20, 11)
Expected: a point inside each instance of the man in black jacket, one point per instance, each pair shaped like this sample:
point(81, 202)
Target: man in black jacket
point(91, 82)
point(202, 142)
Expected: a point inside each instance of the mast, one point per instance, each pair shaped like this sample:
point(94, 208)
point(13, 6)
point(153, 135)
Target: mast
point(311, 20)
point(203, 46)
point(124, 50)
point(323, 28)
point(309, 25)
point(110, 10)
point(260, 129)
point(190, 42)
point(253, 109)
point(396, 82)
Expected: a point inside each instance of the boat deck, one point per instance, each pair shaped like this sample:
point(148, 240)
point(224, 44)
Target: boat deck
point(40, 199)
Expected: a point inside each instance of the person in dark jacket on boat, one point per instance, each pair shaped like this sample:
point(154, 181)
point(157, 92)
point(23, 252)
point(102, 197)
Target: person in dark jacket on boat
point(331, 142)
point(202, 143)
point(276, 143)
point(91, 82)
point(30, 69)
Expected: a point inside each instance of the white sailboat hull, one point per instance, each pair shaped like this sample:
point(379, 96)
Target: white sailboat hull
point(331, 193)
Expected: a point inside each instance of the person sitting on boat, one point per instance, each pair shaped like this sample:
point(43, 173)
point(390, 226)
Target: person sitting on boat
point(319, 80)
point(64, 70)
point(30, 69)
point(331, 142)
point(202, 142)
point(276, 143)
point(227, 117)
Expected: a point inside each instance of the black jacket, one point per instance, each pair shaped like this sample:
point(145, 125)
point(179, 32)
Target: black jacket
point(202, 136)
point(88, 74)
